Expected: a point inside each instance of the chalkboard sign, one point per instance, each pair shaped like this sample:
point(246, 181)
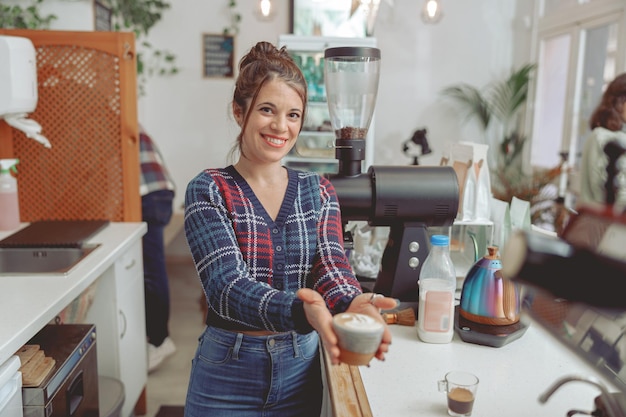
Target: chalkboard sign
point(102, 16)
point(218, 55)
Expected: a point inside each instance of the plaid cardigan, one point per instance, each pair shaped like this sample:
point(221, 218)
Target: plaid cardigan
point(251, 266)
point(154, 173)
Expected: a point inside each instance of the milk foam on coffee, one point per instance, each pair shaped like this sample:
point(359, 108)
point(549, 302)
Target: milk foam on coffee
point(359, 322)
point(358, 333)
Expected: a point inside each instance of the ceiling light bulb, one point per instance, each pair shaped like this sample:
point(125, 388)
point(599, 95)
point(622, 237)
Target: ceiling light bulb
point(265, 10)
point(431, 13)
point(431, 8)
point(265, 7)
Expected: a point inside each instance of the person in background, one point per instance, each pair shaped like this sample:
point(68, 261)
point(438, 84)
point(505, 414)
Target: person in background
point(268, 248)
point(157, 194)
point(607, 123)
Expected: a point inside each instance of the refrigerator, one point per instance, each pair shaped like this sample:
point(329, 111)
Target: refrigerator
point(314, 150)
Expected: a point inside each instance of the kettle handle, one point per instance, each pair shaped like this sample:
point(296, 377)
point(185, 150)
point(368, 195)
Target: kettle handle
point(472, 236)
point(510, 299)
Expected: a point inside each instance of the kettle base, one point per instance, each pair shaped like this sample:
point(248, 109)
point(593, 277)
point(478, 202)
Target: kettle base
point(486, 335)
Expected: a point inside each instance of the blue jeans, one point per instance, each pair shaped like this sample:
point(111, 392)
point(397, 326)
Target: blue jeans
point(156, 211)
point(236, 375)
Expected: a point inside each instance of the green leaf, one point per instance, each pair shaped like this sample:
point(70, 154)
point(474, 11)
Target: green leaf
point(473, 101)
point(17, 17)
point(509, 96)
point(500, 103)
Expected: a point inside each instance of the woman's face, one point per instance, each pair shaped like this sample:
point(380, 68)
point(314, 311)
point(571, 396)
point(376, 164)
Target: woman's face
point(273, 124)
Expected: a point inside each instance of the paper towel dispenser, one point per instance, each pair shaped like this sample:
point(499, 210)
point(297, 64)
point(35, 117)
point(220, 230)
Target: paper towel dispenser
point(18, 86)
point(18, 75)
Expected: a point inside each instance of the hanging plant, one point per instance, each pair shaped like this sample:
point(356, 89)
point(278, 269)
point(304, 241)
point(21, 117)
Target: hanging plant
point(18, 17)
point(235, 19)
point(139, 16)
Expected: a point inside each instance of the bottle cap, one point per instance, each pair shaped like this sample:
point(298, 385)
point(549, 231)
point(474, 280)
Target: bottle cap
point(439, 240)
point(7, 165)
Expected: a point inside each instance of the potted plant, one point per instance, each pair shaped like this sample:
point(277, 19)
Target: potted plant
point(499, 110)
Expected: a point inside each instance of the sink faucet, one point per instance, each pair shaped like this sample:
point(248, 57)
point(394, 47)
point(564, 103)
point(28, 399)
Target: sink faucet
point(612, 406)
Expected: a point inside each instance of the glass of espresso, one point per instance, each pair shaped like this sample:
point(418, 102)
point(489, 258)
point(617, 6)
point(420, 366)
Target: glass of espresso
point(460, 388)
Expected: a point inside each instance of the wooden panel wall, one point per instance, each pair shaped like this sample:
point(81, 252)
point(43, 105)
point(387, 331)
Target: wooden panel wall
point(87, 108)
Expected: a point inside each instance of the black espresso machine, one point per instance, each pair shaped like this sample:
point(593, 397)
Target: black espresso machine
point(408, 198)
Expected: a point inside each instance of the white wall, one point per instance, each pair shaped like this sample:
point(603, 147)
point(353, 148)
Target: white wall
point(473, 43)
point(71, 15)
point(189, 116)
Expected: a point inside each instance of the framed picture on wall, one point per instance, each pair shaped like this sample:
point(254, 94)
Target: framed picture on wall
point(218, 55)
point(102, 16)
point(343, 18)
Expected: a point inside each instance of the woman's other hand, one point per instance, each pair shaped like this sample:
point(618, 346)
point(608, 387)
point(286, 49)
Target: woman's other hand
point(320, 318)
point(370, 304)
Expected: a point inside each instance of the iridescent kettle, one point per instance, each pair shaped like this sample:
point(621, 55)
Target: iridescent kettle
point(487, 297)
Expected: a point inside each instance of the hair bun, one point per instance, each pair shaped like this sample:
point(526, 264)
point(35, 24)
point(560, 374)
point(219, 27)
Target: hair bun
point(264, 51)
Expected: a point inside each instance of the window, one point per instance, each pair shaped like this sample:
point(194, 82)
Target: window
point(554, 7)
point(581, 46)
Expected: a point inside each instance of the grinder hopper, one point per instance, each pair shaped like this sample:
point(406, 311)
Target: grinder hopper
point(351, 75)
point(408, 199)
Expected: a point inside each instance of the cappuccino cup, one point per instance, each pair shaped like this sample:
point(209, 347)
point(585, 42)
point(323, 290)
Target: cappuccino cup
point(460, 388)
point(359, 337)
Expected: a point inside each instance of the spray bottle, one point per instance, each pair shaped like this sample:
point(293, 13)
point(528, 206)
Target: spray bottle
point(9, 204)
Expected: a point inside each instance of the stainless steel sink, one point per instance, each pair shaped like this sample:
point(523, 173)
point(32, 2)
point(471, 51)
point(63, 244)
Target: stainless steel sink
point(42, 260)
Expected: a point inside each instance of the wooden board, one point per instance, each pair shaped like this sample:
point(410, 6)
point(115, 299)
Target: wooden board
point(38, 374)
point(26, 352)
point(28, 367)
point(35, 365)
point(346, 390)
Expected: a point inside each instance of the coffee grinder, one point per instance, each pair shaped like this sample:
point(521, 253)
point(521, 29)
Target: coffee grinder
point(407, 198)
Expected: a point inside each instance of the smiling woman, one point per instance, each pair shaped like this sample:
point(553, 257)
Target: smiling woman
point(268, 246)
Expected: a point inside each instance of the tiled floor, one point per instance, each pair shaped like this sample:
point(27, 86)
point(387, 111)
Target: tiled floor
point(168, 384)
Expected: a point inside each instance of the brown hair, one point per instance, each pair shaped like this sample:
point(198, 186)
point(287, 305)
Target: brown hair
point(264, 62)
point(609, 113)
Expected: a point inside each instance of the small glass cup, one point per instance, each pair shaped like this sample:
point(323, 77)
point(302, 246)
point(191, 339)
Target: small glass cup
point(460, 388)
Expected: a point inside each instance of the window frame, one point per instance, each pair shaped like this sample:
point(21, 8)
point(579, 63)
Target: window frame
point(574, 20)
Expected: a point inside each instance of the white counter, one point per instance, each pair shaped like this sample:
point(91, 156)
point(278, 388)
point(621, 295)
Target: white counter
point(512, 377)
point(28, 303)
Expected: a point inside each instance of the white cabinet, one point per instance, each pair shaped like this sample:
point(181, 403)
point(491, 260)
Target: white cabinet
point(314, 150)
point(116, 269)
point(11, 388)
point(132, 342)
point(119, 315)
point(132, 346)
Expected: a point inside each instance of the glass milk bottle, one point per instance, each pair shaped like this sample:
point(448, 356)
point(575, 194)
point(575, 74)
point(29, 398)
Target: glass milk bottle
point(437, 286)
